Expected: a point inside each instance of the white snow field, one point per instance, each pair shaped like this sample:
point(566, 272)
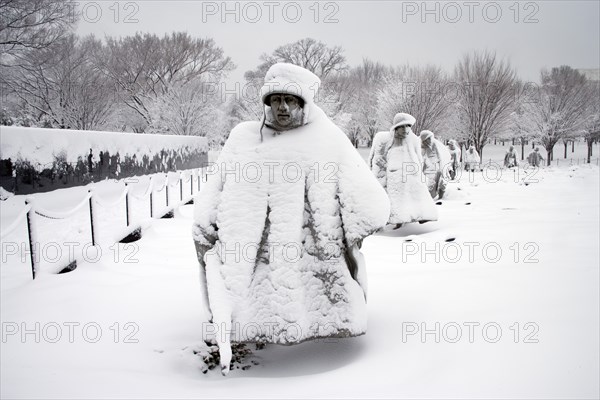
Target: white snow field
point(499, 298)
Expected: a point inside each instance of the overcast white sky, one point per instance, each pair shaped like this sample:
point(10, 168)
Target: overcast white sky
point(532, 34)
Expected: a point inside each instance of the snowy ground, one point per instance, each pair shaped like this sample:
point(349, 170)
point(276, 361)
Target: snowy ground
point(510, 274)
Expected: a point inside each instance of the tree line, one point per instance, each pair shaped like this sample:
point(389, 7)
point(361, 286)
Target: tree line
point(175, 84)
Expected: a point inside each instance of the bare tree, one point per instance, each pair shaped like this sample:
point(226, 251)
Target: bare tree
point(359, 95)
point(519, 127)
point(145, 66)
point(32, 24)
point(486, 95)
point(185, 109)
point(520, 124)
point(592, 125)
point(59, 84)
point(351, 128)
point(419, 91)
point(563, 109)
point(592, 135)
point(308, 53)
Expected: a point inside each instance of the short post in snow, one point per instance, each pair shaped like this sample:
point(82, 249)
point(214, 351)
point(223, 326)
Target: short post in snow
point(167, 189)
point(30, 212)
point(92, 217)
point(127, 204)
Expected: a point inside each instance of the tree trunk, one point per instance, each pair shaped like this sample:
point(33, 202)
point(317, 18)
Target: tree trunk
point(522, 150)
point(589, 150)
point(462, 148)
point(532, 144)
point(513, 141)
point(572, 146)
point(566, 144)
point(549, 157)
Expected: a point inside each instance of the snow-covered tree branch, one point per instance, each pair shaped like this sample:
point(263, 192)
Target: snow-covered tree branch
point(563, 109)
point(32, 24)
point(486, 99)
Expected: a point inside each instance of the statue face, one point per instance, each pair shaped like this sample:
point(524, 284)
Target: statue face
point(426, 143)
point(402, 131)
point(284, 107)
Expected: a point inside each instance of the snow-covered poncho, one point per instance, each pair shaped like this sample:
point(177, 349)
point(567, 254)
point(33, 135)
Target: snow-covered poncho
point(455, 156)
point(436, 166)
point(436, 158)
point(510, 159)
point(278, 226)
point(399, 169)
point(534, 158)
point(471, 158)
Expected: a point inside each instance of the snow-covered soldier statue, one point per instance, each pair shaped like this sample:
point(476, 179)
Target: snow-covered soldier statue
point(472, 159)
point(510, 158)
point(279, 223)
point(454, 158)
point(397, 163)
point(436, 164)
point(535, 158)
